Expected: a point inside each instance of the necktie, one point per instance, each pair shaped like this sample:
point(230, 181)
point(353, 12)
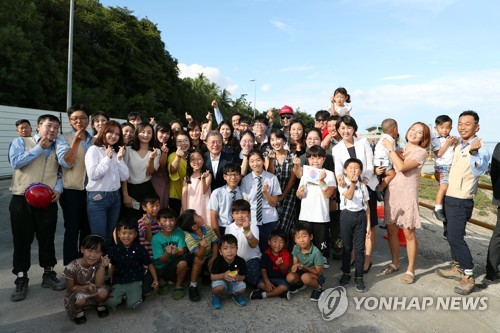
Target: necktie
point(259, 197)
point(233, 195)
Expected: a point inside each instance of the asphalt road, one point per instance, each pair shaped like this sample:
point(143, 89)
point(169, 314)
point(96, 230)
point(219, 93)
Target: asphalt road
point(417, 308)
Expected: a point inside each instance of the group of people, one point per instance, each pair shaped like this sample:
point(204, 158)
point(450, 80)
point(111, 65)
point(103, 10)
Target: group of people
point(149, 205)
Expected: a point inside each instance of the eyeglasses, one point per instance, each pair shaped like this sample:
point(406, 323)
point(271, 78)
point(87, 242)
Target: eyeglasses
point(81, 118)
point(286, 117)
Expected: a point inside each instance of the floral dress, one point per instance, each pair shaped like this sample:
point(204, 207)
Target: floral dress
point(82, 276)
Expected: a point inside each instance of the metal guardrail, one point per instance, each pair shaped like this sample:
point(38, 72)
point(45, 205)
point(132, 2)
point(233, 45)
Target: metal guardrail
point(473, 221)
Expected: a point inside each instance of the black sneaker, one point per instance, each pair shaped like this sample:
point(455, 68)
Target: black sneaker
point(80, 318)
point(295, 288)
point(380, 193)
point(439, 214)
point(256, 294)
point(21, 289)
point(344, 280)
point(194, 294)
point(50, 280)
point(316, 294)
point(360, 284)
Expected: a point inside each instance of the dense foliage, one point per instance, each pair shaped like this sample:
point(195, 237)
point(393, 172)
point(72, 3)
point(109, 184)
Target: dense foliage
point(120, 63)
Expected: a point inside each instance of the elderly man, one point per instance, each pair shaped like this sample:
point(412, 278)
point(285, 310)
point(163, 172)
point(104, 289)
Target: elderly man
point(216, 159)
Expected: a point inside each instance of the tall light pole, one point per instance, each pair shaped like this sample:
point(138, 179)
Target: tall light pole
point(69, 84)
point(254, 95)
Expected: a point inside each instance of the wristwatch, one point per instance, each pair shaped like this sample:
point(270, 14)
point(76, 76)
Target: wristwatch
point(473, 152)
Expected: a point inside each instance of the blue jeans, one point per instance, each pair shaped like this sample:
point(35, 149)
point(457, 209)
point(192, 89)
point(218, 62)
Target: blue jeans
point(103, 210)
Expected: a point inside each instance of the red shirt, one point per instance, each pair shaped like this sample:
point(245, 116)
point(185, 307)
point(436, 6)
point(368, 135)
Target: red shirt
point(285, 256)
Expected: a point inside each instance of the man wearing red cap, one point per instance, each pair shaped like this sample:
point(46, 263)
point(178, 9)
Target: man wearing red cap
point(286, 116)
point(34, 160)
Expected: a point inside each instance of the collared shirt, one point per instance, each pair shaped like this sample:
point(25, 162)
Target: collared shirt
point(359, 199)
point(249, 190)
point(20, 158)
point(479, 163)
point(215, 164)
point(436, 143)
point(311, 258)
point(128, 262)
point(62, 146)
point(221, 201)
point(268, 262)
point(193, 241)
point(244, 249)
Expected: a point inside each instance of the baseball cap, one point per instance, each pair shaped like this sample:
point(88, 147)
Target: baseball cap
point(286, 110)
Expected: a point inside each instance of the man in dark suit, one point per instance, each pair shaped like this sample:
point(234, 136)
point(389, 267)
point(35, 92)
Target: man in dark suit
point(216, 159)
point(493, 259)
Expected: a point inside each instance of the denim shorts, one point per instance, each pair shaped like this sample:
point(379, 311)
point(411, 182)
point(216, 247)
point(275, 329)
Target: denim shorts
point(230, 287)
point(444, 170)
point(277, 282)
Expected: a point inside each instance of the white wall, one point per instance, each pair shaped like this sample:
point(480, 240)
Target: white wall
point(8, 117)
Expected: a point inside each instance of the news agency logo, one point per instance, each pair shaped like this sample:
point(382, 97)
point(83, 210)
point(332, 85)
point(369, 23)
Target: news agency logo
point(334, 303)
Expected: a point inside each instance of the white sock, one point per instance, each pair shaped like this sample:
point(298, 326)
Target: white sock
point(264, 295)
point(438, 207)
point(469, 272)
point(193, 284)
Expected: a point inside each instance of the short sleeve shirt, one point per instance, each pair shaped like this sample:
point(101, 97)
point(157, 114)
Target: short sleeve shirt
point(159, 243)
point(267, 262)
point(220, 265)
point(128, 262)
point(312, 258)
point(193, 241)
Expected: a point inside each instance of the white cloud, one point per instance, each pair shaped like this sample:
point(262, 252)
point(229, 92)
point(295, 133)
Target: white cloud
point(282, 26)
point(296, 69)
point(399, 77)
point(212, 73)
point(265, 87)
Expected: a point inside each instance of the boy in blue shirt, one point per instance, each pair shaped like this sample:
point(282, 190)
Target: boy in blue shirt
point(168, 253)
point(307, 267)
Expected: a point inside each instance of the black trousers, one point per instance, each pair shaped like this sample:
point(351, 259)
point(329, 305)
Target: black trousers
point(76, 224)
point(353, 232)
point(26, 223)
point(321, 240)
point(493, 259)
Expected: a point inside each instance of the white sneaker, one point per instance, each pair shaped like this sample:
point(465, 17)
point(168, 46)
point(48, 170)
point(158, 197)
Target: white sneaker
point(326, 263)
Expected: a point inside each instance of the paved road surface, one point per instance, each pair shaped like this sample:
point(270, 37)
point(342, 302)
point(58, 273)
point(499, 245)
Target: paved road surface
point(43, 309)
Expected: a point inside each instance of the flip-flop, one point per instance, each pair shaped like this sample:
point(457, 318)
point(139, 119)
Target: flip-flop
point(389, 269)
point(408, 277)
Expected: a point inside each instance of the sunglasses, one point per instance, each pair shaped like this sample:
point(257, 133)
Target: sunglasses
point(286, 117)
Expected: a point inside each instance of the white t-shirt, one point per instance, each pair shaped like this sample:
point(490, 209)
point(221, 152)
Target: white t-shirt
point(315, 206)
point(244, 250)
point(342, 110)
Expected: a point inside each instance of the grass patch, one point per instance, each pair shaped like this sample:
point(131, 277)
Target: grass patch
point(482, 202)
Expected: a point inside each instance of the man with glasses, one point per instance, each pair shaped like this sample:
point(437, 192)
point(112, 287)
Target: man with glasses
point(286, 116)
point(260, 128)
point(71, 148)
point(216, 159)
point(320, 122)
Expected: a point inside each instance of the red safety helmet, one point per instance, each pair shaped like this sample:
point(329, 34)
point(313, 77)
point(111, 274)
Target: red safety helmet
point(38, 195)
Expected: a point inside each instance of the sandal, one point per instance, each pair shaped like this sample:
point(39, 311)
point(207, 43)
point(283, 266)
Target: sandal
point(102, 311)
point(80, 318)
point(178, 293)
point(389, 269)
point(408, 277)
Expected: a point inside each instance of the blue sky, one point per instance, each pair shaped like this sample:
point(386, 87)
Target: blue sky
point(410, 60)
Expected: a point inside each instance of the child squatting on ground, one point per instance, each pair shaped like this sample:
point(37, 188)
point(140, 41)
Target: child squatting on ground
point(307, 268)
point(228, 273)
point(85, 280)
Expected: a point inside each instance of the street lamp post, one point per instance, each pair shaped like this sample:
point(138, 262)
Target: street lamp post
point(69, 84)
point(254, 95)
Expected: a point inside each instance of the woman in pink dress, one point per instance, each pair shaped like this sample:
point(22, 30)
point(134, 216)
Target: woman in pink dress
point(401, 199)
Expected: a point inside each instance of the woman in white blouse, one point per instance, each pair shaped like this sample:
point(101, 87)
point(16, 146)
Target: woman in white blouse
point(142, 160)
point(105, 170)
point(358, 148)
